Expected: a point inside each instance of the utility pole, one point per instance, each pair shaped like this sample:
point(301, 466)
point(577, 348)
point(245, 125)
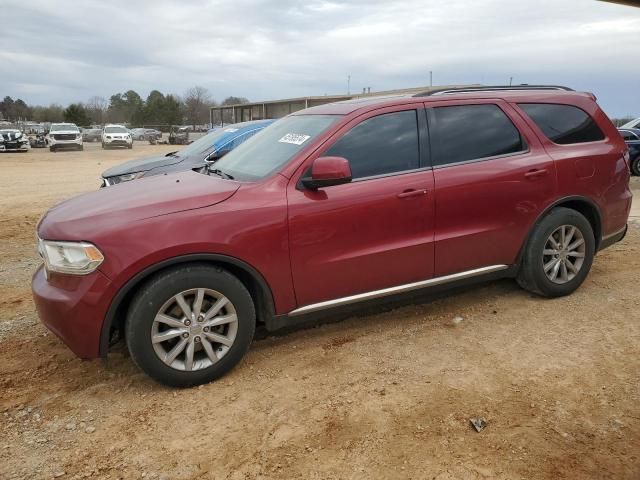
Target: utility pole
point(510, 81)
point(430, 78)
point(348, 84)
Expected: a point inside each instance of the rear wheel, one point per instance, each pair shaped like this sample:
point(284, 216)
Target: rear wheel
point(559, 254)
point(190, 325)
point(635, 166)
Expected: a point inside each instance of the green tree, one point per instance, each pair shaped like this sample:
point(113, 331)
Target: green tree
point(76, 113)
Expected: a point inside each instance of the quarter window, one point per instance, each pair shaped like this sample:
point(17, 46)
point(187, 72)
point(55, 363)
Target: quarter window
point(380, 145)
point(563, 124)
point(470, 132)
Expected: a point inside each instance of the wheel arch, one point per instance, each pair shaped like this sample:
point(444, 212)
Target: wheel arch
point(252, 279)
point(580, 204)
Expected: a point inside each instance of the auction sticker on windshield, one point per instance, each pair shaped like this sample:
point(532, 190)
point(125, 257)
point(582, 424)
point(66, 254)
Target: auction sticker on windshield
point(294, 138)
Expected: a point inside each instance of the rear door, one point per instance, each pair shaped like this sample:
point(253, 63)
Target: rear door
point(376, 231)
point(492, 180)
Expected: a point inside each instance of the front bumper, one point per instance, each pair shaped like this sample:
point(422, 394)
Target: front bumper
point(73, 307)
point(14, 147)
point(123, 142)
point(65, 143)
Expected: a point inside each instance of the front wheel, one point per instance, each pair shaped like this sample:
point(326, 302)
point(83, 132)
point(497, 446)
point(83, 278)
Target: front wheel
point(52, 149)
point(190, 325)
point(558, 255)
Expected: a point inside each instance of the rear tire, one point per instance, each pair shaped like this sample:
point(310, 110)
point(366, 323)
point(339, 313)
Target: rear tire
point(158, 302)
point(558, 255)
point(635, 166)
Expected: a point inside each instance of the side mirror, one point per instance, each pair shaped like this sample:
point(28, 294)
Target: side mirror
point(328, 171)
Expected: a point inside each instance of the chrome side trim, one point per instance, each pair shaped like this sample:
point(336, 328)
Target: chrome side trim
point(314, 307)
point(611, 235)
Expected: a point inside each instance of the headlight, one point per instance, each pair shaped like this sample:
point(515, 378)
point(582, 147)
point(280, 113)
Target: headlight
point(129, 176)
point(75, 258)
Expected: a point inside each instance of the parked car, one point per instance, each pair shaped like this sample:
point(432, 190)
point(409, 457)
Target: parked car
point(38, 141)
point(179, 135)
point(64, 135)
point(116, 136)
point(206, 149)
point(91, 134)
point(635, 123)
point(13, 140)
point(631, 137)
point(333, 205)
point(145, 133)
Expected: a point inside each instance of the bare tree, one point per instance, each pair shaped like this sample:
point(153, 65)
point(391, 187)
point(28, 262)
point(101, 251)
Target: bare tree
point(96, 108)
point(196, 105)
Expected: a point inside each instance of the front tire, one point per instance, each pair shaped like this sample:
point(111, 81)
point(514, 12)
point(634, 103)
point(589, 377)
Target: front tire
point(558, 255)
point(103, 146)
point(190, 325)
point(52, 149)
point(635, 166)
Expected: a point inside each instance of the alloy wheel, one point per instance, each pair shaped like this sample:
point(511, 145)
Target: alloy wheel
point(563, 254)
point(194, 329)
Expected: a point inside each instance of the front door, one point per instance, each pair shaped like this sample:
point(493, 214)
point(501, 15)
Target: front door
point(375, 232)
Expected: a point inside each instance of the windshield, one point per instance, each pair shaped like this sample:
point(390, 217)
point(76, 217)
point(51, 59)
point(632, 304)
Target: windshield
point(274, 146)
point(204, 144)
point(115, 130)
point(64, 127)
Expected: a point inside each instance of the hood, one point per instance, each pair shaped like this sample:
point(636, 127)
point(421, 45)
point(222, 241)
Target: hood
point(82, 217)
point(9, 136)
point(142, 165)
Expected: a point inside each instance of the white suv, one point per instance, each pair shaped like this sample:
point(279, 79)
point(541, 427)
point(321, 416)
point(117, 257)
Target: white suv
point(116, 136)
point(63, 135)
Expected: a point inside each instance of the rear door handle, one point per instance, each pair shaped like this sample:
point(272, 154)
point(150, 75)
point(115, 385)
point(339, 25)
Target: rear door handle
point(412, 193)
point(533, 174)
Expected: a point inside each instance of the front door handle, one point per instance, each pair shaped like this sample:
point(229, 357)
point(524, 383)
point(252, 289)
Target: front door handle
point(533, 174)
point(412, 193)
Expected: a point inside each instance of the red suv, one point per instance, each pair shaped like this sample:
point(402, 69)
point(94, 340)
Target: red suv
point(333, 205)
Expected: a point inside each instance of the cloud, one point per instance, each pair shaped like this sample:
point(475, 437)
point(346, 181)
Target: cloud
point(67, 51)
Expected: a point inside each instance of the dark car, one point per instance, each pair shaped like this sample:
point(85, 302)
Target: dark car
point(91, 134)
point(336, 204)
point(206, 149)
point(631, 137)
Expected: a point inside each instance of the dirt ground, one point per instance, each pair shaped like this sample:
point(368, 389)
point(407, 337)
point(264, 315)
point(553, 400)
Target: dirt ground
point(388, 395)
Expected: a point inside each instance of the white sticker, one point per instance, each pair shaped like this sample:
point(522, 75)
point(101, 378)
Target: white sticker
point(231, 130)
point(294, 138)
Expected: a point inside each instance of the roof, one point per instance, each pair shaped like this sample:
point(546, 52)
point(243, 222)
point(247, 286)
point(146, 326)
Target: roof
point(367, 103)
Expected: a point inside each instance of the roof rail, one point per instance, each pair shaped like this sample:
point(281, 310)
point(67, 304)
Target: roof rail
point(492, 88)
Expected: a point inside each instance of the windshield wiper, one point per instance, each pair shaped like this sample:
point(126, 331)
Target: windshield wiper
point(220, 173)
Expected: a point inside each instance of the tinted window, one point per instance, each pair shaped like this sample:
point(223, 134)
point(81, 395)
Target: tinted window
point(470, 132)
point(380, 145)
point(563, 124)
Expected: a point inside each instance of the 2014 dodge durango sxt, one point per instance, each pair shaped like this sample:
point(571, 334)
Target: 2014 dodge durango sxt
point(333, 205)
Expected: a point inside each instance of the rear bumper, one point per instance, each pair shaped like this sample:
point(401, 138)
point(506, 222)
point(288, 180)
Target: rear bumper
point(73, 307)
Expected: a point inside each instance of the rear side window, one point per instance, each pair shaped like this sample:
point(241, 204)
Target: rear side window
point(563, 124)
point(471, 132)
point(380, 145)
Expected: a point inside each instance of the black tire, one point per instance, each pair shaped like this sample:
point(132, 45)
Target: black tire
point(635, 166)
point(160, 288)
point(103, 146)
point(130, 146)
point(52, 149)
point(531, 275)
point(81, 148)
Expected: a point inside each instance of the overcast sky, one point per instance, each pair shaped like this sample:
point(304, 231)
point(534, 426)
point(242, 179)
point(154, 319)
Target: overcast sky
point(65, 51)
